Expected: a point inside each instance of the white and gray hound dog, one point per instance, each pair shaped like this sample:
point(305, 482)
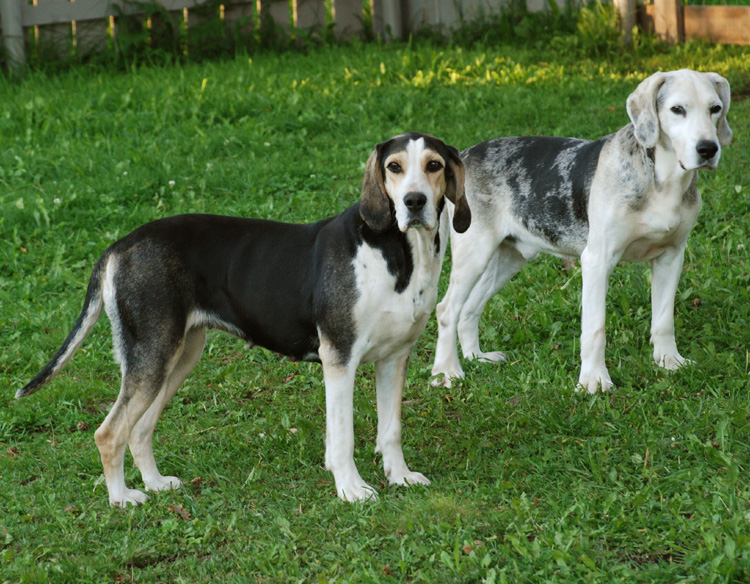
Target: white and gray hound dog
point(630, 196)
point(351, 289)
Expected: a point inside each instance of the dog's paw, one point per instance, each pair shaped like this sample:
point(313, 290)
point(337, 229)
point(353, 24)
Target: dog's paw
point(593, 382)
point(161, 483)
point(357, 493)
point(444, 375)
point(441, 381)
point(672, 362)
point(490, 357)
point(408, 478)
point(128, 497)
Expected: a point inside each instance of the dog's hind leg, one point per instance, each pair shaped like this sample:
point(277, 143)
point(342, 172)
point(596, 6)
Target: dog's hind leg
point(142, 433)
point(505, 263)
point(138, 391)
point(148, 333)
point(470, 259)
point(390, 375)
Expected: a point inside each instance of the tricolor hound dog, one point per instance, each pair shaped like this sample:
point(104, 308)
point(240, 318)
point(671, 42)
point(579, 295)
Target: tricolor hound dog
point(354, 288)
point(630, 196)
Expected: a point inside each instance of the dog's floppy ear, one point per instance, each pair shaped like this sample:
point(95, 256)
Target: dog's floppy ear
point(455, 176)
point(723, 130)
point(641, 106)
point(375, 206)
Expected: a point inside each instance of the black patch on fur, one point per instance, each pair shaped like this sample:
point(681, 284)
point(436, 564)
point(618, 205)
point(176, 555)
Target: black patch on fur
point(550, 178)
point(396, 251)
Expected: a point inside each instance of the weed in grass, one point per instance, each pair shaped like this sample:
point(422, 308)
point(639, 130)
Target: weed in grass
point(532, 482)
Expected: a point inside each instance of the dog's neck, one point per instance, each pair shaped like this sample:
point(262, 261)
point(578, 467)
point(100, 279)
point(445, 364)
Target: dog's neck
point(669, 171)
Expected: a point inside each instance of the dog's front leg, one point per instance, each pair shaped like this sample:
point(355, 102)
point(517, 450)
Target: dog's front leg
point(390, 375)
point(665, 275)
point(339, 380)
point(596, 267)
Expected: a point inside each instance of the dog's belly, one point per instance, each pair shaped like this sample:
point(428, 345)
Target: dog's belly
point(530, 246)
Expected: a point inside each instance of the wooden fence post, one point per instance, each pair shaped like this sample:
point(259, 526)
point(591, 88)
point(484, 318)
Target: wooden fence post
point(10, 14)
point(278, 11)
point(387, 19)
point(309, 14)
point(668, 20)
point(627, 11)
point(347, 17)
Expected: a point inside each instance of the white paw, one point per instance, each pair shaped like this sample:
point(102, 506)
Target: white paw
point(128, 497)
point(357, 492)
point(439, 381)
point(161, 483)
point(491, 357)
point(592, 382)
point(672, 362)
point(408, 478)
point(448, 373)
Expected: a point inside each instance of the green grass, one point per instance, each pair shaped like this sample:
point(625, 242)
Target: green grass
point(532, 482)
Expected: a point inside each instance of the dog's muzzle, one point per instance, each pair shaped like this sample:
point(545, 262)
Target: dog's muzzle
point(707, 149)
point(415, 203)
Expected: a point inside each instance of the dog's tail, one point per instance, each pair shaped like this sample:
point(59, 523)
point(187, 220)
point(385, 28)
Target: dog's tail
point(92, 309)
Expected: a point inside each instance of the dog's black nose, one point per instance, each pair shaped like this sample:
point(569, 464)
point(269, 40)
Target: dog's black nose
point(707, 149)
point(415, 201)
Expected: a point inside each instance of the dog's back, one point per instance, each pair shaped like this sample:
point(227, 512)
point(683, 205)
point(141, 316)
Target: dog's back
point(542, 183)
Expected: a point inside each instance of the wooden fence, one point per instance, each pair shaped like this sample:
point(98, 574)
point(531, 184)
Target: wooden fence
point(675, 22)
point(81, 26)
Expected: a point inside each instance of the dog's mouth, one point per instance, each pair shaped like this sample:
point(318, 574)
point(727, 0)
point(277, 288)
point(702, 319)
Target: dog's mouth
point(418, 223)
point(705, 165)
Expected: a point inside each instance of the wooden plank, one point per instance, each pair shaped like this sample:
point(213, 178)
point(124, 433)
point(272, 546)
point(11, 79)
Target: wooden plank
point(12, 19)
point(91, 37)
point(54, 41)
point(239, 20)
point(668, 21)
point(718, 24)
point(646, 17)
point(56, 11)
point(309, 14)
point(627, 11)
point(278, 11)
point(347, 18)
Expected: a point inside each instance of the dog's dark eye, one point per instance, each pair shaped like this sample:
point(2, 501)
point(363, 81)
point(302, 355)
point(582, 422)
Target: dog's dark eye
point(434, 166)
point(715, 109)
point(677, 109)
point(394, 167)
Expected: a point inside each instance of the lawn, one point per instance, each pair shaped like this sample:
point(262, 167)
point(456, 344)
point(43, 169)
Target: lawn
point(531, 481)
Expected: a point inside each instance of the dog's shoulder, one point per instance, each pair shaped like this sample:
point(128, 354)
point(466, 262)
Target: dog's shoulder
point(626, 170)
point(347, 236)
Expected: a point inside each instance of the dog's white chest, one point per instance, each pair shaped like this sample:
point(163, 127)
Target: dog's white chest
point(666, 221)
point(389, 320)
